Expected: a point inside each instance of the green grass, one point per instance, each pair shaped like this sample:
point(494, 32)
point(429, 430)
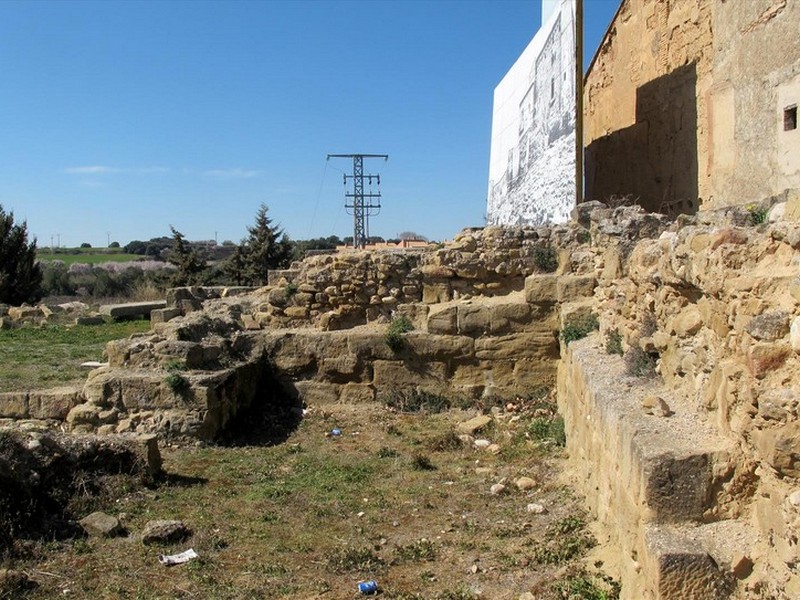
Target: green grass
point(579, 327)
point(34, 358)
point(90, 256)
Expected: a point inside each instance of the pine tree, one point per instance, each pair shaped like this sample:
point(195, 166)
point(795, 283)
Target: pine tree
point(190, 263)
point(20, 274)
point(266, 247)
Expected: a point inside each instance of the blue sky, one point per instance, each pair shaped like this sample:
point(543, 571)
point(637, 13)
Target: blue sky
point(120, 119)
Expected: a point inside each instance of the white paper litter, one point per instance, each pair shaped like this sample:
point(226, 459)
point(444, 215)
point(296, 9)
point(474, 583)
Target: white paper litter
point(177, 559)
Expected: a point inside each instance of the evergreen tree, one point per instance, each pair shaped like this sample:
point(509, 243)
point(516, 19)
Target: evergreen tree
point(266, 247)
point(20, 274)
point(189, 261)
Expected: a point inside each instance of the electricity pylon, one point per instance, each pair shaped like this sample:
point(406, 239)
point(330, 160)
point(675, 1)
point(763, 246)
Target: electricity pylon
point(363, 204)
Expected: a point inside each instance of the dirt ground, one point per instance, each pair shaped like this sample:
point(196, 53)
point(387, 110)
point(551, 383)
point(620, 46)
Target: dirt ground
point(393, 497)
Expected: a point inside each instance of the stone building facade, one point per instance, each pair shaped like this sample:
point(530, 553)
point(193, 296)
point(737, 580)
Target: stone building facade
point(692, 104)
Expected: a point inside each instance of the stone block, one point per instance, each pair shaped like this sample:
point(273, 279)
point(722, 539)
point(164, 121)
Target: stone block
point(474, 320)
point(14, 405)
point(89, 320)
point(509, 318)
point(315, 393)
point(794, 334)
point(400, 374)
point(533, 345)
point(54, 403)
point(687, 322)
point(444, 321)
point(357, 393)
point(20, 313)
point(428, 346)
point(190, 354)
point(541, 289)
point(764, 357)
point(250, 323)
point(296, 312)
point(131, 309)
point(769, 326)
point(782, 449)
point(99, 524)
point(573, 287)
point(416, 313)
point(434, 293)
point(162, 315)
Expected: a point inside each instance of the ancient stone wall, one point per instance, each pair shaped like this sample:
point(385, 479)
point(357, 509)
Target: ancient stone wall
point(688, 100)
point(688, 446)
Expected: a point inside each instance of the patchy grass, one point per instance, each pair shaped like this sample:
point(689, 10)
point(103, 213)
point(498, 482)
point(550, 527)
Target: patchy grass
point(394, 332)
point(313, 516)
point(579, 328)
point(37, 358)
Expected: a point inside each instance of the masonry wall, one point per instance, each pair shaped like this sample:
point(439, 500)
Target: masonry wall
point(685, 103)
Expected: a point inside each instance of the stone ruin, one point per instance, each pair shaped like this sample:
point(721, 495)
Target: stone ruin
point(681, 412)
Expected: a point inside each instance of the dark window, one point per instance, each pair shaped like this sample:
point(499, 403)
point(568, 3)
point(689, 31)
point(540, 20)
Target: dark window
point(790, 118)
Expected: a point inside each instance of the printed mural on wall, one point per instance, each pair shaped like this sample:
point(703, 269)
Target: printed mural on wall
point(532, 158)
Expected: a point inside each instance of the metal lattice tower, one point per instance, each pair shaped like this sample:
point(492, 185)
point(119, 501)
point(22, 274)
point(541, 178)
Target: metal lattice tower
point(363, 204)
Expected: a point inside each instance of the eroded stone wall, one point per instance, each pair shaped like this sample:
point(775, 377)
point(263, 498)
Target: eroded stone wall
point(687, 100)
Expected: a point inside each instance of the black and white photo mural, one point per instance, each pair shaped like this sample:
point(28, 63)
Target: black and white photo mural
point(533, 155)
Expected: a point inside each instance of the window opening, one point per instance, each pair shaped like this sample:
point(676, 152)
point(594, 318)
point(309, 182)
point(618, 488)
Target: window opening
point(790, 118)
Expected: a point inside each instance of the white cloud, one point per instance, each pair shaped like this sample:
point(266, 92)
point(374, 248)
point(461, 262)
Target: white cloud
point(105, 170)
point(93, 170)
point(237, 173)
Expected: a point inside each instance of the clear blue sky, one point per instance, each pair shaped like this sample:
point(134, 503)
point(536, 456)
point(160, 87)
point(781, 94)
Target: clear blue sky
point(123, 118)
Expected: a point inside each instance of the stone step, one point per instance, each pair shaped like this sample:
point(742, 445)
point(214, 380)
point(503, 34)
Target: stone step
point(644, 467)
point(131, 309)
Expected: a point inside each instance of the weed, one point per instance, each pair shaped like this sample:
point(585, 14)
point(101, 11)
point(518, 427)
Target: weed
point(394, 332)
point(420, 462)
point(291, 289)
point(545, 259)
point(444, 442)
point(757, 215)
point(566, 540)
point(350, 560)
point(649, 324)
point(613, 342)
point(579, 327)
point(387, 452)
point(549, 430)
point(417, 401)
point(583, 237)
point(421, 550)
point(584, 586)
point(639, 363)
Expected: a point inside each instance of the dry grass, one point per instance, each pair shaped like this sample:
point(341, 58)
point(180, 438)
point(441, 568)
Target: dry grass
point(311, 517)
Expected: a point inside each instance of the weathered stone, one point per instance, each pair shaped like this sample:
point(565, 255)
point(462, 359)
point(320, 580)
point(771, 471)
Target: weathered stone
point(571, 287)
point(163, 532)
point(784, 450)
point(84, 414)
point(794, 334)
point(53, 403)
point(296, 312)
point(14, 405)
point(131, 309)
point(190, 354)
point(99, 524)
point(444, 321)
point(474, 425)
point(497, 489)
point(655, 405)
point(541, 289)
point(741, 566)
point(393, 373)
point(250, 323)
point(525, 483)
point(687, 322)
point(769, 326)
point(474, 320)
point(764, 357)
point(357, 393)
point(20, 313)
point(433, 293)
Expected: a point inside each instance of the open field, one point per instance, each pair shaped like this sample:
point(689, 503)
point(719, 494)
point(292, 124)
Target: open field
point(90, 256)
point(37, 358)
point(396, 497)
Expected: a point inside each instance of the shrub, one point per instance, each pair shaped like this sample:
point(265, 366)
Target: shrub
point(757, 215)
point(175, 379)
point(579, 327)
point(613, 342)
point(394, 333)
point(417, 401)
point(20, 274)
point(549, 430)
point(545, 259)
point(639, 363)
